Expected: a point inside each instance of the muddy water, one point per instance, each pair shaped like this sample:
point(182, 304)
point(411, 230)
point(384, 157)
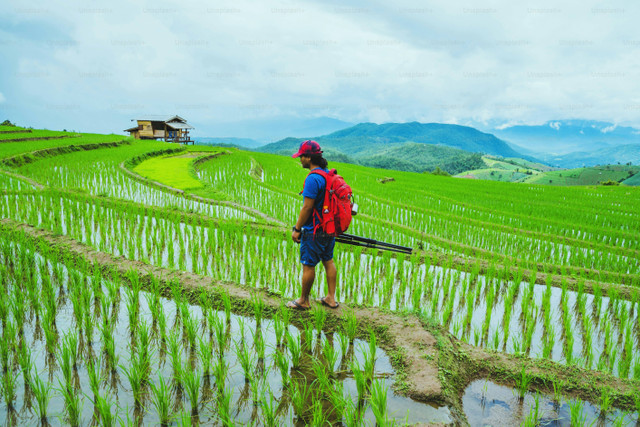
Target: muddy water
point(488, 404)
point(238, 329)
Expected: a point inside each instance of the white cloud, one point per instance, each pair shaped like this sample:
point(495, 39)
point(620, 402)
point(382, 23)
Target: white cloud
point(2, 98)
point(369, 61)
point(609, 128)
point(555, 125)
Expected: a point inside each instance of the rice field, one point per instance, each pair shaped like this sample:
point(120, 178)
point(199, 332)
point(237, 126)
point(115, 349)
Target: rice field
point(544, 279)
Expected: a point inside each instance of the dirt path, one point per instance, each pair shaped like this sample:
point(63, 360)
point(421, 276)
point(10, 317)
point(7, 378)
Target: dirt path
point(24, 178)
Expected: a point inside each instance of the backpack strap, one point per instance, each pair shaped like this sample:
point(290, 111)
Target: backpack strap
point(317, 218)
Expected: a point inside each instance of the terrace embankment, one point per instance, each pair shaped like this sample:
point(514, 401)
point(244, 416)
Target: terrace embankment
point(251, 211)
point(23, 159)
point(432, 365)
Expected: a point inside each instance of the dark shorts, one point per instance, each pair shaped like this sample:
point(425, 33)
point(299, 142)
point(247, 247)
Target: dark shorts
point(314, 249)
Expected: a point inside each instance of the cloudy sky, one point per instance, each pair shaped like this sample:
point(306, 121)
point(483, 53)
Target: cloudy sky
point(92, 66)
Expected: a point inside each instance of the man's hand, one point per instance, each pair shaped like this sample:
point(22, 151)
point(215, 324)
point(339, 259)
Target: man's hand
point(295, 236)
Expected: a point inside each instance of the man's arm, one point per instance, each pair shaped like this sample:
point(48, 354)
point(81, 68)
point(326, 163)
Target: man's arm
point(305, 213)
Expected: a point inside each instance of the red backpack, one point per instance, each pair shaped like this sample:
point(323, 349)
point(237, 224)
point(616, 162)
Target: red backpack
point(336, 208)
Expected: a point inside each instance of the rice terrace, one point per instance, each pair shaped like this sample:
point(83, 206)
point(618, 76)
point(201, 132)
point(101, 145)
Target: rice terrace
point(145, 283)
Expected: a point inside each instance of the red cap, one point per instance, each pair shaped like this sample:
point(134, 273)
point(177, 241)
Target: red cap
point(308, 147)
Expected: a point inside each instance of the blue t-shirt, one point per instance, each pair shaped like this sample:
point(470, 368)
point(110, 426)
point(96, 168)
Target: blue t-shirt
point(314, 188)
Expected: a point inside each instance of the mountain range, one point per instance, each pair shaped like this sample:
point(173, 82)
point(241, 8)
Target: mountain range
point(410, 146)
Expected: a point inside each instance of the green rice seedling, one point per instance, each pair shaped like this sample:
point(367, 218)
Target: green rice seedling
point(318, 417)
point(307, 336)
point(9, 379)
point(41, 392)
point(205, 354)
point(161, 320)
point(64, 361)
point(220, 371)
point(161, 398)
point(352, 415)
point(192, 379)
point(254, 385)
point(133, 308)
point(361, 379)
point(191, 328)
point(245, 357)
point(106, 410)
point(350, 325)
point(226, 303)
point(220, 336)
point(175, 354)
point(136, 375)
point(282, 362)
point(330, 354)
point(224, 407)
point(26, 361)
point(557, 393)
point(285, 314)
point(269, 407)
point(295, 350)
point(319, 317)
point(278, 328)
point(322, 375)
point(94, 372)
point(605, 401)
point(259, 345)
point(378, 402)
point(258, 307)
point(577, 415)
point(522, 383)
point(300, 397)
point(184, 419)
point(72, 402)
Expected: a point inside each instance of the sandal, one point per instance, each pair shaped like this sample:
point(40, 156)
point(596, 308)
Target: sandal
point(297, 306)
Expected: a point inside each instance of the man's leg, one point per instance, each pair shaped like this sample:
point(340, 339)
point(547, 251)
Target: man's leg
point(332, 274)
point(308, 276)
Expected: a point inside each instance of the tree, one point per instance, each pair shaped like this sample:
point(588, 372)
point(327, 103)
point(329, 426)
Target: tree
point(7, 123)
point(438, 171)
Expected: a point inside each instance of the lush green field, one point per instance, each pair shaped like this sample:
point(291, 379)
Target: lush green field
point(173, 171)
point(586, 176)
point(175, 293)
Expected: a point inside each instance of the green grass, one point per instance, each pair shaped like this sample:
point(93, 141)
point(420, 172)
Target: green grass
point(496, 174)
point(38, 133)
point(633, 181)
point(584, 176)
point(5, 128)
point(174, 171)
point(10, 149)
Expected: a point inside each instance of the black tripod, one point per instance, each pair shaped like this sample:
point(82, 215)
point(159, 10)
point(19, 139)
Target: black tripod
point(350, 239)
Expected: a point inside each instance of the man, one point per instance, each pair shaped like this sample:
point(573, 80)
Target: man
point(314, 247)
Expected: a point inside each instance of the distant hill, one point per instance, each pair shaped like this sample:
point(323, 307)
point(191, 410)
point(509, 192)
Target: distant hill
point(406, 146)
point(504, 169)
point(587, 176)
point(230, 141)
point(607, 155)
point(561, 137)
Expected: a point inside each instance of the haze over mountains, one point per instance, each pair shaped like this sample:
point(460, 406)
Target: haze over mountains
point(423, 146)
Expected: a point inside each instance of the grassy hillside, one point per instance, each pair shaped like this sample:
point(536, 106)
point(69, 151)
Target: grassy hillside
point(504, 170)
point(585, 176)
